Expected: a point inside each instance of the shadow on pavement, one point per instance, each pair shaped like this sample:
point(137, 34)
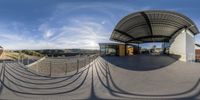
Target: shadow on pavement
point(141, 62)
point(103, 69)
point(100, 73)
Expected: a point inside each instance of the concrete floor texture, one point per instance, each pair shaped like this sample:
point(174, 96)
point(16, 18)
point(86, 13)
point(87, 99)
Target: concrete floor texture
point(131, 77)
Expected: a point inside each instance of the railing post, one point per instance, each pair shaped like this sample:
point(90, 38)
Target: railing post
point(18, 59)
point(89, 61)
point(50, 69)
point(92, 59)
point(1, 70)
point(22, 60)
point(65, 68)
point(77, 65)
point(85, 62)
point(28, 61)
point(3, 73)
point(37, 67)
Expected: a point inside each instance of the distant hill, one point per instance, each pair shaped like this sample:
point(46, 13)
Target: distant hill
point(35, 54)
point(30, 53)
point(66, 52)
point(14, 55)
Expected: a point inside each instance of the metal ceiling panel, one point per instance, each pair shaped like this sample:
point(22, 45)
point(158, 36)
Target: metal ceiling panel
point(147, 26)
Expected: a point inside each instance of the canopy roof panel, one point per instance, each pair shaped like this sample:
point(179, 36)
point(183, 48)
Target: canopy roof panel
point(151, 26)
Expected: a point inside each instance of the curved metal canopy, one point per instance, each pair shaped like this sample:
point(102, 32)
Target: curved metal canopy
point(151, 26)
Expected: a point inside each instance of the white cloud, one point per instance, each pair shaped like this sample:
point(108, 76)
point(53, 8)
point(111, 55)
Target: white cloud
point(77, 32)
point(48, 34)
point(46, 31)
point(81, 34)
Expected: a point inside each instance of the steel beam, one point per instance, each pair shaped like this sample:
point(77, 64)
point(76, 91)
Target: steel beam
point(148, 22)
point(118, 40)
point(151, 41)
point(177, 31)
point(124, 33)
point(155, 36)
point(145, 37)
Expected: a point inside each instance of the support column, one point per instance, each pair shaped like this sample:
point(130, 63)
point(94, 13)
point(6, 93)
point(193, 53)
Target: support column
point(183, 45)
point(125, 49)
point(138, 48)
point(164, 49)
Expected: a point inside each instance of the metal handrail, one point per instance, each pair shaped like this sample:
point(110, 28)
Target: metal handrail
point(62, 66)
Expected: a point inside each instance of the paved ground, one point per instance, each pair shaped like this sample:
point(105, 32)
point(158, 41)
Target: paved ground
point(106, 79)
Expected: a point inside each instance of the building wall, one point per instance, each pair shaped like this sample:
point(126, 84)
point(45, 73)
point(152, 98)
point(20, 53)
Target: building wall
point(108, 49)
point(190, 46)
point(183, 45)
point(121, 50)
point(197, 54)
point(197, 47)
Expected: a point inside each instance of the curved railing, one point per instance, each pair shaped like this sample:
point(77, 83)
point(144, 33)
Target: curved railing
point(61, 66)
point(34, 84)
point(12, 74)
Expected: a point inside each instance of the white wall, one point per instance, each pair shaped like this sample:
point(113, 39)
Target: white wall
point(190, 46)
point(183, 45)
point(197, 47)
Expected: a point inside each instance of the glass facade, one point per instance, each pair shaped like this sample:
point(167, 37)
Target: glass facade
point(114, 49)
point(108, 49)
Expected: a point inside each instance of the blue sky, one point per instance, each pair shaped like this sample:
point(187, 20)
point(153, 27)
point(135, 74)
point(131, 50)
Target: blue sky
point(43, 24)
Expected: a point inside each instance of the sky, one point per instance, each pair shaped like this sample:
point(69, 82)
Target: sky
point(58, 24)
